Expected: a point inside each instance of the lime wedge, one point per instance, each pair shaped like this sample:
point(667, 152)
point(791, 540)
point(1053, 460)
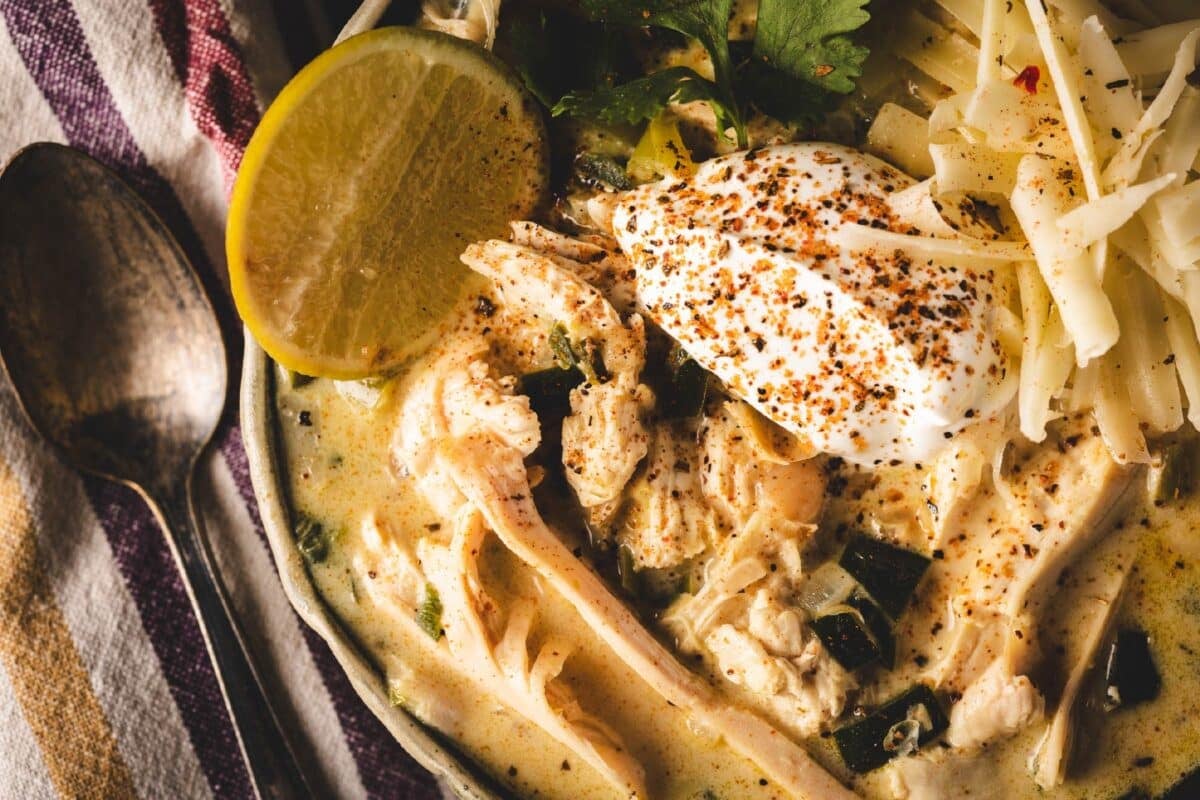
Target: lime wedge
point(373, 169)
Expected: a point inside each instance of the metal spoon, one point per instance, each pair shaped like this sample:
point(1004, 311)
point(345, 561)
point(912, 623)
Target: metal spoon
point(117, 360)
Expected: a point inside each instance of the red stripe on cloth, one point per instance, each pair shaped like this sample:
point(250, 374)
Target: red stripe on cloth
point(221, 100)
point(209, 63)
point(49, 38)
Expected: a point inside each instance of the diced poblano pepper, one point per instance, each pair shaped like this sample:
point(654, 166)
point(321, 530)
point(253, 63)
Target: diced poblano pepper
point(869, 744)
point(890, 574)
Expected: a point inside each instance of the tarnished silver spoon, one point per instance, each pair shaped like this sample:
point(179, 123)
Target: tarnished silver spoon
point(117, 360)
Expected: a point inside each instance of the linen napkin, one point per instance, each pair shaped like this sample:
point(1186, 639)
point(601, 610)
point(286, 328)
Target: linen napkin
point(106, 690)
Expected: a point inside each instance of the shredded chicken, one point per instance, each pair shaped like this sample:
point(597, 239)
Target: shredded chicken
point(1082, 619)
point(594, 259)
point(941, 774)
point(749, 465)
point(743, 625)
point(455, 400)
point(665, 520)
point(492, 644)
point(604, 438)
point(488, 476)
point(1007, 544)
point(994, 707)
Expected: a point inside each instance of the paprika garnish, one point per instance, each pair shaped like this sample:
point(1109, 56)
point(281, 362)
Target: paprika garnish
point(1028, 79)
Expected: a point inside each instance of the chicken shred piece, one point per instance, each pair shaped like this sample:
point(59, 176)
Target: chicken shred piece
point(742, 623)
point(743, 472)
point(665, 519)
point(497, 653)
point(603, 438)
point(490, 477)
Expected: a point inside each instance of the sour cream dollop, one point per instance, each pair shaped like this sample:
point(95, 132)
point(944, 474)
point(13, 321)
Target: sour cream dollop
point(872, 355)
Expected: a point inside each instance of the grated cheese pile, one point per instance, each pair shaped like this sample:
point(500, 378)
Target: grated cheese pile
point(1082, 129)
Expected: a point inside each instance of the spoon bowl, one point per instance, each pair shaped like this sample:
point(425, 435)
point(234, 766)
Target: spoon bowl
point(124, 369)
point(117, 360)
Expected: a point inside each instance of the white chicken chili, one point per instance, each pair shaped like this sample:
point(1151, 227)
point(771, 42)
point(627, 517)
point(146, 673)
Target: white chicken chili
point(832, 453)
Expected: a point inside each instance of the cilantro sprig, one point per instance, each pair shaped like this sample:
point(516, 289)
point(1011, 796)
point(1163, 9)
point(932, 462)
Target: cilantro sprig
point(706, 21)
point(801, 58)
point(644, 98)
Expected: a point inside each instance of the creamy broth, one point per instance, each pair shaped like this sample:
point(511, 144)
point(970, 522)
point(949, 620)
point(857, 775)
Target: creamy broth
point(340, 471)
point(758, 267)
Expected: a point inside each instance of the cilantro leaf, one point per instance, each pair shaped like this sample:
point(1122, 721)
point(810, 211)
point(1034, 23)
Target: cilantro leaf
point(555, 52)
point(644, 98)
point(779, 95)
point(806, 39)
point(429, 613)
point(706, 21)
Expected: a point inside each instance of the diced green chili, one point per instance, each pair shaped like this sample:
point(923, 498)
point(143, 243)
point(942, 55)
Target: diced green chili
point(312, 538)
point(878, 625)
point(549, 391)
point(1130, 677)
point(587, 356)
point(560, 346)
point(844, 634)
point(429, 613)
point(890, 574)
point(627, 570)
point(591, 361)
point(686, 385)
point(863, 744)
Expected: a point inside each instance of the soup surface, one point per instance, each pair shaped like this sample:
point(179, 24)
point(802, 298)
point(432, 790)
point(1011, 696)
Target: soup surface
point(341, 472)
point(844, 451)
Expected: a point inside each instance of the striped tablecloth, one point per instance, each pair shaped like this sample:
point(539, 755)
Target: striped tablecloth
point(105, 687)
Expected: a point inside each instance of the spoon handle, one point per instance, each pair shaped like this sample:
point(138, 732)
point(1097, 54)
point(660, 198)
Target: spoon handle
point(273, 768)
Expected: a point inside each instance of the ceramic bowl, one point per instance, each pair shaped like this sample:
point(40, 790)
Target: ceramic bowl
point(268, 472)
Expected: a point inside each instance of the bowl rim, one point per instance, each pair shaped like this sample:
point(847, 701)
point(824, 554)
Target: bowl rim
point(259, 423)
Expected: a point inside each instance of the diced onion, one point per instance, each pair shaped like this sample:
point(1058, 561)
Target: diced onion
point(828, 586)
point(903, 738)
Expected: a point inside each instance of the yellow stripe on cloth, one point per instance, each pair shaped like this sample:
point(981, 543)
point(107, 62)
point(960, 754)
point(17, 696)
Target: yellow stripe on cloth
point(48, 677)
